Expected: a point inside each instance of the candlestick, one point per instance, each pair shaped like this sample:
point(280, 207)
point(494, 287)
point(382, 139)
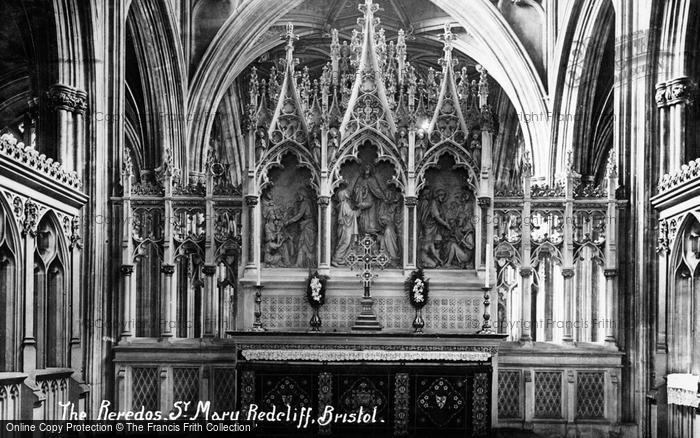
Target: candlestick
point(488, 265)
point(257, 324)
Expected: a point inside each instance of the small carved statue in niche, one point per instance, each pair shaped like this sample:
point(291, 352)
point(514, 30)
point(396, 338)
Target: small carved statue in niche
point(389, 239)
point(368, 194)
point(347, 229)
point(260, 143)
point(420, 146)
point(306, 243)
point(316, 142)
point(403, 145)
point(333, 144)
point(277, 243)
point(445, 212)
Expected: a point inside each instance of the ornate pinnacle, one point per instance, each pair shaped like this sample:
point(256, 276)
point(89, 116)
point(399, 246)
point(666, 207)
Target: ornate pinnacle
point(448, 38)
point(368, 8)
point(335, 55)
point(253, 85)
point(483, 82)
point(290, 36)
point(401, 55)
point(527, 164)
point(127, 166)
point(356, 47)
point(612, 164)
point(569, 165)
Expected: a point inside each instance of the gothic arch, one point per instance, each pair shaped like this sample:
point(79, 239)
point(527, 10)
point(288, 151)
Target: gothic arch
point(432, 157)
point(274, 160)
point(579, 56)
point(51, 292)
point(385, 152)
point(162, 70)
point(237, 44)
point(10, 282)
point(683, 299)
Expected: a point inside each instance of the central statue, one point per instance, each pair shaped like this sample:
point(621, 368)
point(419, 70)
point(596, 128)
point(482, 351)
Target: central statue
point(368, 194)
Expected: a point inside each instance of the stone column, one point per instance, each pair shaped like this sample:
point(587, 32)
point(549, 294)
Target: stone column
point(572, 179)
point(410, 230)
point(75, 305)
point(30, 223)
point(168, 325)
point(569, 305)
point(526, 305)
point(324, 235)
point(251, 201)
point(610, 320)
point(70, 104)
point(128, 302)
point(209, 309)
point(611, 257)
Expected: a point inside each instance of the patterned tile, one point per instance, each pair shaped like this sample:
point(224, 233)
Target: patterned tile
point(509, 394)
point(548, 394)
point(590, 395)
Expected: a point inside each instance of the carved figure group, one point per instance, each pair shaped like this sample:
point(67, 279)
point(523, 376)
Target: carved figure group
point(366, 207)
point(447, 230)
point(289, 235)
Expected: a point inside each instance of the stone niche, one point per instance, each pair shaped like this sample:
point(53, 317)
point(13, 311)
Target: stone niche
point(367, 201)
point(289, 217)
point(446, 218)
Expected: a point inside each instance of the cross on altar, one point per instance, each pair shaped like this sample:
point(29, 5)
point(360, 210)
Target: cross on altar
point(367, 258)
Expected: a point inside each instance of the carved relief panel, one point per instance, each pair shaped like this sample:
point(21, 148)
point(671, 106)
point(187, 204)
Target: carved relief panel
point(289, 217)
point(446, 220)
point(367, 202)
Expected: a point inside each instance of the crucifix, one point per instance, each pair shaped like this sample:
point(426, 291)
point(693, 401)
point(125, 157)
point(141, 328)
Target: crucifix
point(367, 258)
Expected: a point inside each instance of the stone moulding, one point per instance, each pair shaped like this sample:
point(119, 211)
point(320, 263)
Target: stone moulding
point(364, 355)
point(686, 173)
point(28, 157)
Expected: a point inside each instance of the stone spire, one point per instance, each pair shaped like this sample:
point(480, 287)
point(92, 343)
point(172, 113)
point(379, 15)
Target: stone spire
point(448, 103)
point(288, 122)
point(368, 105)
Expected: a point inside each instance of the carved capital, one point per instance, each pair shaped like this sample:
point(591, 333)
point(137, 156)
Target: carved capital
point(76, 241)
point(610, 273)
point(525, 272)
point(679, 90)
point(567, 272)
point(67, 98)
point(323, 201)
point(410, 201)
point(484, 202)
point(30, 221)
point(209, 270)
point(167, 269)
point(126, 270)
point(251, 200)
point(663, 243)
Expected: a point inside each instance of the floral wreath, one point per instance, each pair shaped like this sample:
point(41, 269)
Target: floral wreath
point(417, 288)
point(316, 289)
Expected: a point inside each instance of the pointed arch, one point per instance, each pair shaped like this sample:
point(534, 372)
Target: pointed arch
point(10, 281)
point(51, 286)
point(492, 43)
point(163, 76)
point(580, 61)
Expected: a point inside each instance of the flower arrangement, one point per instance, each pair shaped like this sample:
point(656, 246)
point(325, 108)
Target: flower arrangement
point(417, 288)
point(316, 289)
